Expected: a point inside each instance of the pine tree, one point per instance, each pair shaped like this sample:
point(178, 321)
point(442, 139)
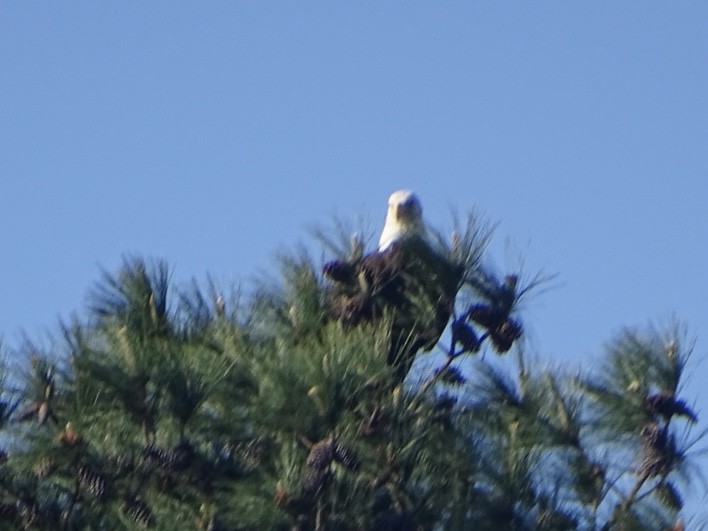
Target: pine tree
point(171, 408)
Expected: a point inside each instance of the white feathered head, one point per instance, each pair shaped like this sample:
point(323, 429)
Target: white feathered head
point(403, 219)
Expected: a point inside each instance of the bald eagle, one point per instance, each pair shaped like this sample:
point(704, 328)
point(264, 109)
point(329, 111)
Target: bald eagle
point(406, 279)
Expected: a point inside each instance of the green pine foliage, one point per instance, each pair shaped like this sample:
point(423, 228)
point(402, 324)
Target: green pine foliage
point(169, 408)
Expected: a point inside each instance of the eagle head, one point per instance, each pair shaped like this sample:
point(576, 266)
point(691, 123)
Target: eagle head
point(403, 219)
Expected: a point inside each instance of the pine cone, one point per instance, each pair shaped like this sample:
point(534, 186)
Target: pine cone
point(503, 330)
point(321, 455)
point(177, 459)
point(505, 334)
point(139, 512)
point(154, 454)
point(91, 481)
point(346, 457)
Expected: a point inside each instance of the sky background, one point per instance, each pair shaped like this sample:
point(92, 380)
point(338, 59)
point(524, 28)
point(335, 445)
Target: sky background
point(214, 135)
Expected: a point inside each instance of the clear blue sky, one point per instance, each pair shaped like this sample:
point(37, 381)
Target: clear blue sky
point(212, 134)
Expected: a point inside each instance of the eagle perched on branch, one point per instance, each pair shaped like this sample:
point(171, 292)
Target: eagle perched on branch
point(406, 279)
